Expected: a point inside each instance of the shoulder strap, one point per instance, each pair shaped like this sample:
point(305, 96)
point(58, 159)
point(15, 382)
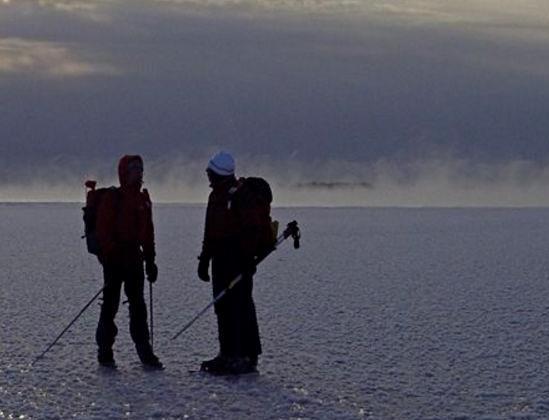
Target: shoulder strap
point(233, 191)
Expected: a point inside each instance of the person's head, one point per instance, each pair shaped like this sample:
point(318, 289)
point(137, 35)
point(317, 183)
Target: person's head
point(221, 167)
point(130, 171)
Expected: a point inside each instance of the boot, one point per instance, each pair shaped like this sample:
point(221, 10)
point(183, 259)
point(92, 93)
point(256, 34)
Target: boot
point(242, 366)
point(216, 366)
point(105, 358)
point(149, 359)
point(253, 360)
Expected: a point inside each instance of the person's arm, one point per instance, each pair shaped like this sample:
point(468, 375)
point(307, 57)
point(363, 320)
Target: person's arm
point(146, 236)
point(206, 240)
point(206, 253)
point(147, 230)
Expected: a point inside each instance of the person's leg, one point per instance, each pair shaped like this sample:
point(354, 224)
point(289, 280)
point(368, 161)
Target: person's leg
point(139, 329)
point(250, 335)
point(238, 331)
point(244, 329)
point(133, 287)
point(218, 363)
point(220, 280)
point(223, 327)
point(106, 329)
point(222, 311)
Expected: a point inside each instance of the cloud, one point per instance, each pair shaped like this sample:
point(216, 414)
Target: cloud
point(100, 10)
point(39, 58)
point(69, 6)
point(317, 5)
point(422, 11)
point(414, 11)
point(345, 96)
point(432, 182)
point(418, 10)
point(479, 11)
point(97, 11)
point(444, 182)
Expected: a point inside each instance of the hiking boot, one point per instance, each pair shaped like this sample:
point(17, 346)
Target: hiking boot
point(242, 366)
point(217, 365)
point(152, 362)
point(106, 358)
point(149, 359)
point(253, 360)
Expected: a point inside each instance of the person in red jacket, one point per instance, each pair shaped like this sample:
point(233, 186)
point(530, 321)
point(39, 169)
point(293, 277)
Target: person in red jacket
point(125, 233)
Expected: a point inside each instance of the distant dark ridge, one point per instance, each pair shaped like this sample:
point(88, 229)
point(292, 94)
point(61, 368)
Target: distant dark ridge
point(334, 185)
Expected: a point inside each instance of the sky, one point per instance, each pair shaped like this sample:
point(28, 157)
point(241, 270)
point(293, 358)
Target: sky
point(335, 102)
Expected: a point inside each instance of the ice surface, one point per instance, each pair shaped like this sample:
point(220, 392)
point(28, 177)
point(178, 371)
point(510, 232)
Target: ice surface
point(382, 314)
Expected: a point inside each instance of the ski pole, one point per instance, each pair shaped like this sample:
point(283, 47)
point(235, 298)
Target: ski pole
point(291, 230)
point(152, 318)
point(68, 326)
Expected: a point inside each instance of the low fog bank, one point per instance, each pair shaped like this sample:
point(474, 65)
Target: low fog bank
point(438, 182)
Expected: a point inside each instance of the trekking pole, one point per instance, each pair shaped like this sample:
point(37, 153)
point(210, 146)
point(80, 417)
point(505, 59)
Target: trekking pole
point(291, 230)
point(152, 318)
point(68, 326)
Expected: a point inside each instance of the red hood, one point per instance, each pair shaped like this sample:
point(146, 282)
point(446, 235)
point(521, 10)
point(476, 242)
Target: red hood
point(123, 168)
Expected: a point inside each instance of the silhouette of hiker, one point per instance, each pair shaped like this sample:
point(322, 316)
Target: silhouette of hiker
point(231, 241)
point(125, 234)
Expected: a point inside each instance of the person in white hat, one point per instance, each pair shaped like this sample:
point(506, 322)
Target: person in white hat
point(238, 332)
point(222, 163)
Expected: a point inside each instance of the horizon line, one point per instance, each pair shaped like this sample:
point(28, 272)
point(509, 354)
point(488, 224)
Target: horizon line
point(319, 206)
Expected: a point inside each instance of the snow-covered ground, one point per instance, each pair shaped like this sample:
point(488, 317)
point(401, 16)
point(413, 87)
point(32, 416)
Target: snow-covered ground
point(383, 314)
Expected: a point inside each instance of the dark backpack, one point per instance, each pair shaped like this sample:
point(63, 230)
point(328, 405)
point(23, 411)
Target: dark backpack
point(93, 201)
point(252, 200)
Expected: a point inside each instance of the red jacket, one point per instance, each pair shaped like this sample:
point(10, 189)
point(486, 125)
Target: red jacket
point(125, 229)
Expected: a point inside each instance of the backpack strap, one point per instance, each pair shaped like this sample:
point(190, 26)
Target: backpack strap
point(233, 191)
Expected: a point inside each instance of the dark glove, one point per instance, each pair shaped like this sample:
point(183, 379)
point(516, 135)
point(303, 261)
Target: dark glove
point(203, 268)
point(152, 271)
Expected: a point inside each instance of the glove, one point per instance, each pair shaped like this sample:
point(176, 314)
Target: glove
point(152, 271)
point(203, 268)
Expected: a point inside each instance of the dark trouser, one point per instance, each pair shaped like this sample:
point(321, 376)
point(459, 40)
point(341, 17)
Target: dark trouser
point(133, 279)
point(236, 318)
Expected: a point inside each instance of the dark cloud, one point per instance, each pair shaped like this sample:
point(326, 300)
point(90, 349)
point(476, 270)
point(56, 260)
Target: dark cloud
point(173, 79)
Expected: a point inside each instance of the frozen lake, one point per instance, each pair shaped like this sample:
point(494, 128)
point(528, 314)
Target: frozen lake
point(382, 314)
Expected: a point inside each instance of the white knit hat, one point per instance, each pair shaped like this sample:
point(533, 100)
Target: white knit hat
point(222, 163)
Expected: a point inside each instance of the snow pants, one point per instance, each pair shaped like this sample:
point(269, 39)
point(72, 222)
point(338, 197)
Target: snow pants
point(133, 278)
point(238, 331)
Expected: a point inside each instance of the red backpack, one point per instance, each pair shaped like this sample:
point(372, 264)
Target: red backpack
point(94, 197)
